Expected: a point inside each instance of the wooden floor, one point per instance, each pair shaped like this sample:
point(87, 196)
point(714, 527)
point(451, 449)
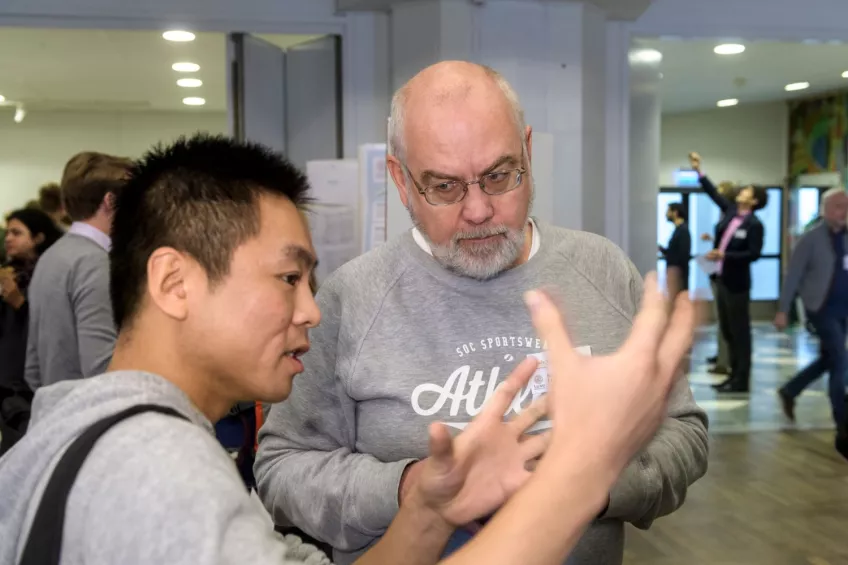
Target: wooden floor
point(769, 498)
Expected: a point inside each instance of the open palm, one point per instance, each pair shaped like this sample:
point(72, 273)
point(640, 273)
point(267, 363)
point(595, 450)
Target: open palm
point(472, 475)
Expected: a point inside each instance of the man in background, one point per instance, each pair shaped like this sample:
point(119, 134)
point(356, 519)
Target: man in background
point(426, 326)
point(818, 271)
point(50, 202)
point(677, 254)
point(71, 328)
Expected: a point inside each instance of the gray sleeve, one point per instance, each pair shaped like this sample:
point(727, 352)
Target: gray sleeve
point(32, 373)
point(92, 307)
point(307, 470)
point(797, 267)
point(656, 482)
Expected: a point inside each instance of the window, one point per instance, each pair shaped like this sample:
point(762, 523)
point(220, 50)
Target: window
point(770, 216)
point(765, 279)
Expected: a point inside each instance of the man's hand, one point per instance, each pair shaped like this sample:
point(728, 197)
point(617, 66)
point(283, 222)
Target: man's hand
point(695, 161)
point(9, 288)
point(715, 255)
point(472, 475)
point(781, 321)
point(706, 237)
point(608, 407)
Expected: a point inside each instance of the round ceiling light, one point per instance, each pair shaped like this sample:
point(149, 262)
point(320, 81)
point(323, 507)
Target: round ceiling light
point(178, 35)
point(646, 56)
point(194, 101)
point(845, 74)
point(797, 86)
point(2, 98)
point(186, 67)
point(189, 82)
point(729, 49)
point(727, 103)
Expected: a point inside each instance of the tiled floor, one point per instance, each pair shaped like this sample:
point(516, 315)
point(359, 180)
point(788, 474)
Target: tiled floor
point(777, 357)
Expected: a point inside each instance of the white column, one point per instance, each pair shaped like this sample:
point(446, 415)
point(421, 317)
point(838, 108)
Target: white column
point(618, 135)
point(645, 123)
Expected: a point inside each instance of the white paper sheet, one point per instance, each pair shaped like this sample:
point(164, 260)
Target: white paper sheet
point(706, 265)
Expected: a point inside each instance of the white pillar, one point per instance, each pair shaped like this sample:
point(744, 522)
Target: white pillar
point(645, 123)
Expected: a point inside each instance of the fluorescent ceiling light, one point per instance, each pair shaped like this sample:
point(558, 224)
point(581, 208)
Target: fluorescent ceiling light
point(186, 67)
point(727, 103)
point(729, 49)
point(189, 82)
point(646, 56)
point(3, 98)
point(844, 75)
point(178, 35)
point(797, 86)
point(194, 101)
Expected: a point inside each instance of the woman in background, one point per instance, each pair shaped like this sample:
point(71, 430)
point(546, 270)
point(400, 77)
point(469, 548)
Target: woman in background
point(29, 233)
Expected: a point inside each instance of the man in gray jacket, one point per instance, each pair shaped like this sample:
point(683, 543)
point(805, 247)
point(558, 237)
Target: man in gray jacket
point(425, 327)
point(71, 329)
point(818, 272)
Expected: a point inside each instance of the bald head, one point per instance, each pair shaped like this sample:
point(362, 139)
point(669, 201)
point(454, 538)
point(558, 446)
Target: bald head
point(450, 87)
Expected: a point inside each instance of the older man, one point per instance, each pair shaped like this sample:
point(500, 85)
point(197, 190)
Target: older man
point(818, 271)
point(425, 327)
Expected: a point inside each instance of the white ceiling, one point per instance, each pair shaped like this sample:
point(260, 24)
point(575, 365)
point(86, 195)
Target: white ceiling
point(695, 78)
point(97, 70)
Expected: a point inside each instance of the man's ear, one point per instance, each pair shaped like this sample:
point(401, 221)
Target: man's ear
point(397, 171)
point(528, 138)
point(109, 201)
point(167, 272)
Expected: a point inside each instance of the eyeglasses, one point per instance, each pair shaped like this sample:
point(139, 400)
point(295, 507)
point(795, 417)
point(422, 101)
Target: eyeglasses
point(452, 191)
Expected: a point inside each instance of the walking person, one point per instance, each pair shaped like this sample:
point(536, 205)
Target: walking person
point(818, 271)
point(738, 243)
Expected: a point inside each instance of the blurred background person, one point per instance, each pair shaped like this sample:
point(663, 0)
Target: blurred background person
point(818, 272)
point(738, 242)
point(29, 233)
point(721, 361)
point(678, 252)
point(50, 202)
point(71, 328)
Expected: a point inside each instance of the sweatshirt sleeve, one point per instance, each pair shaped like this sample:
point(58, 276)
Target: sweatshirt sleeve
point(95, 325)
point(655, 483)
point(307, 470)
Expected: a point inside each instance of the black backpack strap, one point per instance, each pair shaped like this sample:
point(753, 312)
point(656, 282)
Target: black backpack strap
point(44, 544)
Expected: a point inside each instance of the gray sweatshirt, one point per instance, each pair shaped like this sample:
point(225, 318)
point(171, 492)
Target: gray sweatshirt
point(155, 489)
point(71, 328)
point(810, 270)
point(403, 343)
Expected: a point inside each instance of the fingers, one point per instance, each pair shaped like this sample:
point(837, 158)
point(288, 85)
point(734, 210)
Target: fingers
point(677, 339)
point(550, 327)
point(535, 445)
point(529, 416)
point(650, 323)
point(441, 448)
point(497, 406)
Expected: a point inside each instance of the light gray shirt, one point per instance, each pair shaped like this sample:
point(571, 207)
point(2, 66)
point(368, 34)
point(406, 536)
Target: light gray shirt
point(71, 327)
point(403, 343)
point(155, 489)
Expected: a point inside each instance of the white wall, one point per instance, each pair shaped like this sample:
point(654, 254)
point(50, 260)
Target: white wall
point(35, 151)
point(747, 143)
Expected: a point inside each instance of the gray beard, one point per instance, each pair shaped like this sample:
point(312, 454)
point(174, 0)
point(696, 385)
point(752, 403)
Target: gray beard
point(483, 261)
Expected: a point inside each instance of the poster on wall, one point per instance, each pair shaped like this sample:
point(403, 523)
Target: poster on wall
point(818, 135)
point(372, 188)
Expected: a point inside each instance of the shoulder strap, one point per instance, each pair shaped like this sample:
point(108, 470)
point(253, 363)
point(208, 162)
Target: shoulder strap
point(44, 544)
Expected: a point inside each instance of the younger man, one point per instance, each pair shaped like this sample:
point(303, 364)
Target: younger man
point(210, 285)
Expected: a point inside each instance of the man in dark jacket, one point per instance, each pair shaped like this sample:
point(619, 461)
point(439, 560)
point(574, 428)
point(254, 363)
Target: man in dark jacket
point(677, 254)
point(738, 243)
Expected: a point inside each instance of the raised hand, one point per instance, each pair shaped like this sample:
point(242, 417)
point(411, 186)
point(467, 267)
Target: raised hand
point(472, 475)
point(695, 161)
point(609, 407)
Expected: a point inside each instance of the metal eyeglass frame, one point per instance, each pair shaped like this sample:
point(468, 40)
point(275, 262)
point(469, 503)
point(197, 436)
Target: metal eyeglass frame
point(481, 182)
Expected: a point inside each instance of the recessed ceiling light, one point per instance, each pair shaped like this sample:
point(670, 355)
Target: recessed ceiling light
point(178, 35)
point(845, 74)
point(189, 82)
point(646, 56)
point(186, 67)
point(194, 101)
point(727, 103)
point(729, 49)
point(797, 86)
point(3, 98)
